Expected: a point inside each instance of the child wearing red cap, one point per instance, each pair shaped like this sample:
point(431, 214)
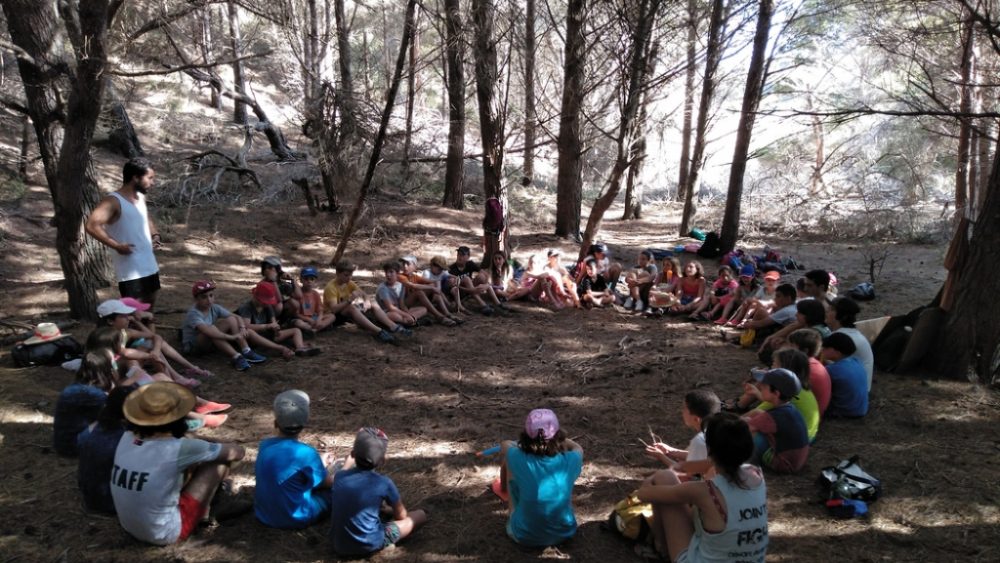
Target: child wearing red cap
point(538, 473)
point(262, 323)
point(209, 326)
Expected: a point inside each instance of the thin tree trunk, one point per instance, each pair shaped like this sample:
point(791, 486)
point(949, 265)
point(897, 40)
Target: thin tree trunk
point(569, 181)
point(985, 166)
point(816, 184)
point(633, 184)
point(713, 54)
point(411, 95)
point(239, 82)
point(689, 74)
point(205, 44)
point(22, 161)
point(751, 99)
point(490, 120)
point(639, 58)
point(530, 116)
point(965, 123)
point(454, 175)
point(390, 101)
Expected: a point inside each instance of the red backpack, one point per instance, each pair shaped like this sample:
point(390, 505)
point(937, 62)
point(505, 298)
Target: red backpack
point(493, 222)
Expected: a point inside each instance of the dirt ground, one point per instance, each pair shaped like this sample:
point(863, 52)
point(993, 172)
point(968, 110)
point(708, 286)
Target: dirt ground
point(448, 393)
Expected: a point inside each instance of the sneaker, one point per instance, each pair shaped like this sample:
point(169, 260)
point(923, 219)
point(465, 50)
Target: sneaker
point(241, 363)
point(384, 336)
point(213, 408)
point(254, 357)
point(194, 424)
point(640, 306)
point(403, 331)
point(629, 303)
point(486, 310)
point(308, 352)
point(215, 420)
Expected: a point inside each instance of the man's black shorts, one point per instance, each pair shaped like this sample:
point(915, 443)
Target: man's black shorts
point(140, 288)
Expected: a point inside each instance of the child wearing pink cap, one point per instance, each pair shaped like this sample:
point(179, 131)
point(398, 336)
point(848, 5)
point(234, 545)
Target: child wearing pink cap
point(538, 473)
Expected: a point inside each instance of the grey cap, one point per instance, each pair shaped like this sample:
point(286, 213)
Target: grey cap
point(291, 410)
point(409, 258)
point(272, 260)
point(369, 447)
point(782, 380)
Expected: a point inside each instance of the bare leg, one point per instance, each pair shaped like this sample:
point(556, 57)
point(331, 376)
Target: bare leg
point(414, 520)
point(261, 342)
point(381, 317)
point(205, 482)
point(672, 523)
point(361, 320)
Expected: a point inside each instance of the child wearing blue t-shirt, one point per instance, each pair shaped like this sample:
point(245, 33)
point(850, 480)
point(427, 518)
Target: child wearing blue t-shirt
point(358, 494)
point(538, 473)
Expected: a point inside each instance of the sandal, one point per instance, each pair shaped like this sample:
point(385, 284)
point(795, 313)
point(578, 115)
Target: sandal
point(197, 372)
point(448, 321)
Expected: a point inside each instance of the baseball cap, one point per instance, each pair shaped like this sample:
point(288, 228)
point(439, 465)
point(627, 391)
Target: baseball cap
point(369, 447)
point(265, 293)
point(113, 307)
point(271, 261)
point(599, 247)
point(541, 421)
point(409, 258)
point(202, 286)
point(781, 379)
point(773, 275)
point(135, 304)
point(463, 250)
point(747, 271)
point(291, 409)
point(554, 252)
point(308, 272)
point(440, 262)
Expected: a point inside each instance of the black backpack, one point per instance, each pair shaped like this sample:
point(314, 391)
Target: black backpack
point(712, 247)
point(47, 353)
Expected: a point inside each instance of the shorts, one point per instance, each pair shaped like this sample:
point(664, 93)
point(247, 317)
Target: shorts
point(192, 510)
point(197, 348)
point(392, 534)
point(686, 299)
point(140, 288)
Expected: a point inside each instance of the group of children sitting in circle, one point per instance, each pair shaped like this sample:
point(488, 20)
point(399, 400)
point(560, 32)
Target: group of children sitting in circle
point(128, 412)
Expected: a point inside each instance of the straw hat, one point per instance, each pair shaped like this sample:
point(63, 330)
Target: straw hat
point(44, 332)
point(160, 402)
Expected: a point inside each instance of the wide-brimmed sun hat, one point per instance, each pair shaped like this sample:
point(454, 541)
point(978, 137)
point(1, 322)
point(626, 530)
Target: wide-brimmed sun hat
point(158, 403)
point(44, 332)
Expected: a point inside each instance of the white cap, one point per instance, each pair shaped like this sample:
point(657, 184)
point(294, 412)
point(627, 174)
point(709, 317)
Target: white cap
point(113, 307)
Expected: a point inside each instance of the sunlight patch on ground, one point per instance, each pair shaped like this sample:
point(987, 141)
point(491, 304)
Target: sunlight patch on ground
point(20, 415)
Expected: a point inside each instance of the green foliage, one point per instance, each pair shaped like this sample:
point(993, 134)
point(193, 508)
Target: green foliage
point(12, 189)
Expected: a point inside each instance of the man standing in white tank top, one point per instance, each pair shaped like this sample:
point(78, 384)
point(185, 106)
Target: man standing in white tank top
point(120, 222)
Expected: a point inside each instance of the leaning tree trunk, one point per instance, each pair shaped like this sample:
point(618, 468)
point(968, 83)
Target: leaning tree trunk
point(490, 120)
point(713, 54)
point(569, 179)
point(454, 175)
point(970, 329)
point(122, 136)
point(692, 61)
point(964, 123)
point(530, 116)
point(751, 99)
point(34, 27)
point(239, 82)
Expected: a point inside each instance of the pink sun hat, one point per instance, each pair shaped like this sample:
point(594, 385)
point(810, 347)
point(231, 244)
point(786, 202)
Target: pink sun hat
point(541, 421)
point(135, 303)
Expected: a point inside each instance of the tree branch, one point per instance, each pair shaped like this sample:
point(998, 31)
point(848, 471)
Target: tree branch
point(180, 68)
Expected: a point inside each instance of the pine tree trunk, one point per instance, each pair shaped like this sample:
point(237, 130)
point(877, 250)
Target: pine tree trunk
point(751, 99)
point(22, 161)
point(569, 182)
point(689, 74)
point(633, 185)
point(411, 96)
point(239, 82)
point(713, 54)
point(205, 45)
point(530, 116)
point(454, 176)
point(964, 123)
point(490, 122)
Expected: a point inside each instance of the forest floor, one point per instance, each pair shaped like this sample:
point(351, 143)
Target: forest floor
point(447, 393)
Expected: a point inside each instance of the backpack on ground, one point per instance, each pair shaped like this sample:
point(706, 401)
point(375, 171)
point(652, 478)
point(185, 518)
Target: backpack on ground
point(630, 518)
point(848, 481)
point(493, 221)
point(51, 353)
point(712, 247)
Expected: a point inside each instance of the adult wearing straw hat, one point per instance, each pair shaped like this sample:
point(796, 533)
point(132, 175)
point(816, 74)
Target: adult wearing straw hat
point(151, 461)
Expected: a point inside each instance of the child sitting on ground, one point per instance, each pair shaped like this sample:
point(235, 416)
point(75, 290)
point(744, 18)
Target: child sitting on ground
point(259, 319)
point(209, 326)
point(500, 275)
point(722, 291)
point(848, 380)
point(640, 281)
point(663, 294)
point(592, 289)
point(810, 343)
point(762, 299)
point(766, 323)
point(805, 402)
point(690, 288)
point(311, 305)
point(423, 292)
point(746, 287)
point(390, 295)
point(475, 282)
point(538, 473)
point(348, 303)
point(698, 406)
point(562, 285)
point(450, 286)
point(809, 313)
point(97, 444)
point(358, 496)
point(781, 441)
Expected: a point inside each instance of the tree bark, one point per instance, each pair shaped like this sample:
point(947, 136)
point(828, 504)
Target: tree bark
point(239, 82)
point(380, 136)
point(637, 156)
point(569, 182)
point(689, 74)
point(411, 95)
point(963, 157)
point(205, 44)
point(34, 27)
point(639, 64)
point(530, 115)
point(713, 53)
point(22, 161)
point(490, 120)
point(751, 99)
point(454, 175)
